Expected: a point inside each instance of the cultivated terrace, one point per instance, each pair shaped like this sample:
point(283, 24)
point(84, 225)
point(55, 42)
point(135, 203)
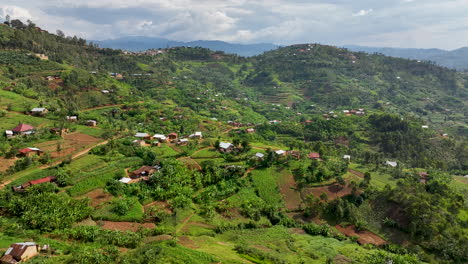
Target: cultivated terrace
point(305, 154)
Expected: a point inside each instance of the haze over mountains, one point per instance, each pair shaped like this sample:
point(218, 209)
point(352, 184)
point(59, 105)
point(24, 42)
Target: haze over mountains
point(144, 43)
point(456, 59)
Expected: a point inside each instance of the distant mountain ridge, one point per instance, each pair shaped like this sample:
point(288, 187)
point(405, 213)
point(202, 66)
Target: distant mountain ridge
point(144, 43)
point(455, 59)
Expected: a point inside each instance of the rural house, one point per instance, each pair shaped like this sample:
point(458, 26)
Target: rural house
point(25, 185)
point(172, 136)
point(391, 163)
point(182, 142)
point(225, 147)
point(259, 156)
point(314, 155)
point(144, 171)
point(28, 152)
point(197, 135)
point(72, 118)
point(38, 111)
point(23, 129)
point(139, 143)
point(159, 137)
point(143, 135)
point(8, 133)
point(295, 154)
point(280, 152)
point(20, 252)
point(91, 123)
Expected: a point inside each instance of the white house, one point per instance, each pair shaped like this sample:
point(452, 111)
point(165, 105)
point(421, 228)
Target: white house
point(391, 163)
point(160, 137)
point(348, 157)
point(125, 180)
point(280, 152)
point(225, 147)
point(142, 135)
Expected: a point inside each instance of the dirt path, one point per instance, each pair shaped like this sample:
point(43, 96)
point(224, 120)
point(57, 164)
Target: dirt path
point(184, 222)
point(249, 170)
point(199, 151)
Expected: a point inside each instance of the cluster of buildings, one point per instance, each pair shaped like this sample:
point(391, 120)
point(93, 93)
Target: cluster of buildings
point(24, 186)
point(142, 174)
point(161, 138)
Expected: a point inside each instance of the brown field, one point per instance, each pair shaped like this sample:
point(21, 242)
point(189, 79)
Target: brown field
point(6, 163)
point(70, 144)
point(333, 191)
point(187, 242)
point(191, 163)
point(98, 197)
point(365, 237)
point(287, 184)
point(125, 226)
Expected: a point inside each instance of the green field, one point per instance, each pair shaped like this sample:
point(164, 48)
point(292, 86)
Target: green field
point(265, 181)
point(134, 214)
point(11, 120)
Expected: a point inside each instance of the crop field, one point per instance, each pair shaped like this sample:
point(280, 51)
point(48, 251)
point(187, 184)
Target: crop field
point(206, 153)
point(88, 181)
point(16, 102)
point(12, 119)
point(265, 181)
point(70, 144)
point(134, 214)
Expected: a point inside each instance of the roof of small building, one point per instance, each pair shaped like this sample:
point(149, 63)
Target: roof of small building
point(27, 150)
point(392, 163)
point(17, 250)
point(8, 132)
point(125, 180)
point(198, 133)
point(38, 109)
point(314, 155)
point(42, 180)
point(22, 128)
point(280, 152)
point(143, 169)
point(346, 156)
point(141, 135)
point(184, 140)
point(225, 145)
point(260, 155)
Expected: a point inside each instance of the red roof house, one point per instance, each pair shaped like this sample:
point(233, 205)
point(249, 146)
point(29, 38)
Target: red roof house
point(27, 152)
point(22, 129)
point(314, 155)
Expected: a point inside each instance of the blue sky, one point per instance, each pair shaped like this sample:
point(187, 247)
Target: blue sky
point(394, 23)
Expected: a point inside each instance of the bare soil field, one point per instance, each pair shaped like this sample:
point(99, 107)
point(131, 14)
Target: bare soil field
point(333, 191)
point(6, 163)
point(98, 197)
point(292, 198)
point(70, 144)
point(125, 226)
point(365, 237)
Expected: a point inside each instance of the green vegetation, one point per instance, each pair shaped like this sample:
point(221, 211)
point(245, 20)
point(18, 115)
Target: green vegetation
point(192, 202)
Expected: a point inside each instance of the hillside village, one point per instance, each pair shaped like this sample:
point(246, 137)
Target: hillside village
point(187, 155)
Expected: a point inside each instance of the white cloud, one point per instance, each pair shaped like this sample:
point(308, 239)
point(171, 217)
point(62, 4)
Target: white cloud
point(363, 12)
point(389, 22)
point(15, 12)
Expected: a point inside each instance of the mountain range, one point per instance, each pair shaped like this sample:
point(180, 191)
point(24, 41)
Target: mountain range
point(455, 59)
point(145, 43)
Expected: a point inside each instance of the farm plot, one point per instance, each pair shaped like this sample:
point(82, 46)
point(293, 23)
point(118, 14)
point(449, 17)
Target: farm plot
point(90, 180)
point(70, 144)
point(333, 191)
point(265, 181)
point(291, 196)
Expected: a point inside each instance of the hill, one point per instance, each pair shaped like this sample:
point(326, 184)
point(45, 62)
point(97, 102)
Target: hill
point(305, 154)
point(144, 43)
point(455, 59)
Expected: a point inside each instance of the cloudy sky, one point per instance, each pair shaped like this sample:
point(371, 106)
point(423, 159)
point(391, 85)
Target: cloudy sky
point(394, 23)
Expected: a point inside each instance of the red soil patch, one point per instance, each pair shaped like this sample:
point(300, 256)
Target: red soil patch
point(157, 238)
point(365, 237)
point(292, 198)
point(187, 242)
point(6, 163)
point(98, 197)
point(125, 226)
point(333, 191)
point(299, 231)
